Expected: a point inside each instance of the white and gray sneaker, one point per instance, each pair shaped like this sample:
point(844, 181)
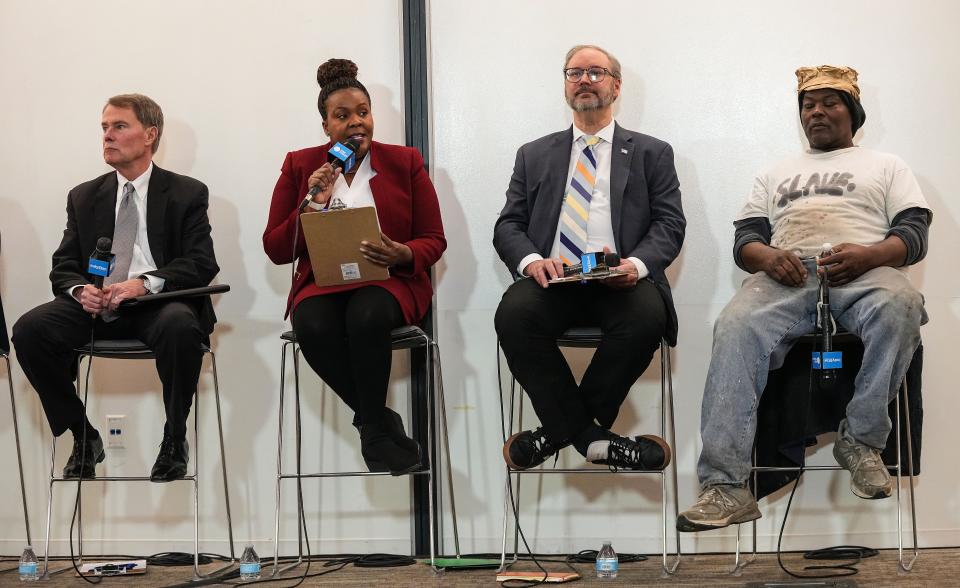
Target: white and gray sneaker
point(718, 507)
point(869, 478)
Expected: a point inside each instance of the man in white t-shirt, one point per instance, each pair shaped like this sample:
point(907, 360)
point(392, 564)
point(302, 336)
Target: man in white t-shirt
point(870, 207)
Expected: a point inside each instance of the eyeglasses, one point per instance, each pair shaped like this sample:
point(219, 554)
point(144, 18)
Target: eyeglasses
point(594, 74)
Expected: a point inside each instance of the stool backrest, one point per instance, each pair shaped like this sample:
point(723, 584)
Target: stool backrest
point(4, 340)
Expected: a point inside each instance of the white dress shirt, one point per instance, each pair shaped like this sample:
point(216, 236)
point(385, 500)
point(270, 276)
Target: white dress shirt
point(600, 219)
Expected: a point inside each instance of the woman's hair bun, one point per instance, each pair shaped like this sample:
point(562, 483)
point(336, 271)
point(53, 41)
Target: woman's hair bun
point(335, 69)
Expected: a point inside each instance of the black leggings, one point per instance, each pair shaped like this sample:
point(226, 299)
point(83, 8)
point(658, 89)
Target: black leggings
point(345, 337)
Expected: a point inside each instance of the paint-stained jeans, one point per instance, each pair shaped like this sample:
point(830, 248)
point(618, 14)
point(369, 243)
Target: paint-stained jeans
point(756, 330)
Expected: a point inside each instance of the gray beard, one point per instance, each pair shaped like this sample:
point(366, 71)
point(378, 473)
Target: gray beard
point(595, 103)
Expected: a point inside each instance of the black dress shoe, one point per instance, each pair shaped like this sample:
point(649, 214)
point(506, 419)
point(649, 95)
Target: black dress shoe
point(381, 451)
point(528, 449)
point(89, 454)
point(171, 461)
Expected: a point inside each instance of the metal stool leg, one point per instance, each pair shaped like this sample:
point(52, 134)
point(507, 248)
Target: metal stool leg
point(196, 479)
point(511, 492)
point(276, 526)
point(196, 489)
point(16, 436)
point(738, 562)
point(295, 356)
point(299, 432)
point(223, 457)
point(906, 566)
point(666, 404)
point(446, 445)
point(508, 494)
point(518, 391)
point(435, 463)
point(46, 541)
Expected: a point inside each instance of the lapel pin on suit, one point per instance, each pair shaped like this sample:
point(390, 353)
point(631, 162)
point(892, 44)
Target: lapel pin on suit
point(622, 150)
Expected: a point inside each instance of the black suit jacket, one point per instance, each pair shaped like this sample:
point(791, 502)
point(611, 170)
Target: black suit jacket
point(178, 231)
point(647, 215)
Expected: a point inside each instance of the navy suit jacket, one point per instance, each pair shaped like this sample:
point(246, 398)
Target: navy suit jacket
point(647, 215)
point(178, 231)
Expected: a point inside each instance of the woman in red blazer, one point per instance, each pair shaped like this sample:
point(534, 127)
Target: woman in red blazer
point(344, 331)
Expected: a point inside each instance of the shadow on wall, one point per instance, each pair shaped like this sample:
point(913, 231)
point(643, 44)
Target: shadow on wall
point(183, 155)
point(460, 408)
point(20, 239)
point(248, 390)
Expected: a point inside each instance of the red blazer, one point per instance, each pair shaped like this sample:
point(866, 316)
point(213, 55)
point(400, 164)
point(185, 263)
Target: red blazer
point(408, 210)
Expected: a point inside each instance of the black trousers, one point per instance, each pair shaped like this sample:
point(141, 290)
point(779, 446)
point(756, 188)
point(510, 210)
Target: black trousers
point(530, 318)
point(345, 337)
point(45, 338)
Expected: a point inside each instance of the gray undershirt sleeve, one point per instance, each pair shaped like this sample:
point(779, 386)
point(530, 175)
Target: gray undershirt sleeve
point(912, 226)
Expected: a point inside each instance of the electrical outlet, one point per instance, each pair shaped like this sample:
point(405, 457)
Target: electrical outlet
point(116, 430)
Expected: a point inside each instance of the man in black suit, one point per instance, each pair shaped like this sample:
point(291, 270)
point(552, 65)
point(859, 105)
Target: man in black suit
point(161, 237)
point(593, 187)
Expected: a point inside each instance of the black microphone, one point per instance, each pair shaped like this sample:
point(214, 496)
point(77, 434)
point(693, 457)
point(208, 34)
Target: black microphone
point(101, 262)
point(828, 376)
point(342, 156)
point(599, 262)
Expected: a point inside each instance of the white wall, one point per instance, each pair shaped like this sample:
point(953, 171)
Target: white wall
point(236, 82)
point(715, 79)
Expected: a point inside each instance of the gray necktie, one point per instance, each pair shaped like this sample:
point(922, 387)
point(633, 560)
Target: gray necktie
point(124, 236)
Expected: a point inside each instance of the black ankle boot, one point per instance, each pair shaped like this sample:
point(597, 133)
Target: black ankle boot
point(394, 426)
point(378, 449)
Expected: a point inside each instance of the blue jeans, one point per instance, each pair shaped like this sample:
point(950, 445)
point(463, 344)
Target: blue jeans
point(755, 331)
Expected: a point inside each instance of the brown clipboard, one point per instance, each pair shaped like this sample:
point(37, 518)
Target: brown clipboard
point(333, 244)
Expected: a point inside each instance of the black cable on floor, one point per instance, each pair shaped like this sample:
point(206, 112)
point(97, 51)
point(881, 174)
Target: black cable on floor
point(589, 556)
point(83, 458)
point(180, 558)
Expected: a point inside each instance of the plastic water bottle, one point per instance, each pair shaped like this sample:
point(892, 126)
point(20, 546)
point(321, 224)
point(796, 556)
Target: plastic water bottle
point(249, 563)
point(607, 562)
point(29, 567)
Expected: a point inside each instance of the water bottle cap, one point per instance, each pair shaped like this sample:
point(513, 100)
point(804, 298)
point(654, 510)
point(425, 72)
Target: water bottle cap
point(608, 542)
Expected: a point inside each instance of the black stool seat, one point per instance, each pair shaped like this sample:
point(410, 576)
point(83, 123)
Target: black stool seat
point(580, 337)
point(406, 337)
point(122, 349)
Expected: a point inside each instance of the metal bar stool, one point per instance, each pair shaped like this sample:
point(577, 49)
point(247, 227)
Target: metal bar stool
point(408, 337)
point(5, 354)
point(590, 337)
point(135, 349)
point(902, 400)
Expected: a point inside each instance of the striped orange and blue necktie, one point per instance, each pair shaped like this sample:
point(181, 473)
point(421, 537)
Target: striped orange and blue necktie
point(576, 203)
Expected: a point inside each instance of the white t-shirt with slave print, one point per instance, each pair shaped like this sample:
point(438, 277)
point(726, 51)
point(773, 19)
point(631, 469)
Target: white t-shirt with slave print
point(843, 196)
